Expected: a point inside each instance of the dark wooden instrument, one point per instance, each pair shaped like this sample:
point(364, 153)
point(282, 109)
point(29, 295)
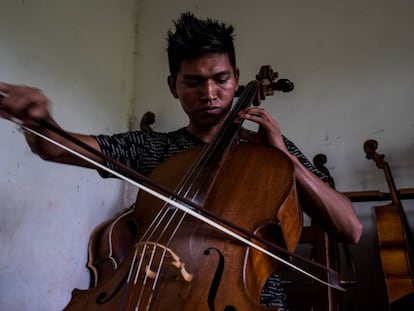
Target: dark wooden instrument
point(109, 244)
point(394, 246)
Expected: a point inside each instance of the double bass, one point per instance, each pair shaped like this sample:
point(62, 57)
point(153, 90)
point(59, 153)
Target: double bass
point(395, 244)
point(185, 265)
point(110, 241)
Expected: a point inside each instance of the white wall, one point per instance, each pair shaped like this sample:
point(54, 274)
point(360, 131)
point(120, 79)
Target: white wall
point(351, 63)
point(81, 53)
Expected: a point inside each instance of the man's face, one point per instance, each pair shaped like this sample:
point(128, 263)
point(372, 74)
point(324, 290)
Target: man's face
point(205, 87)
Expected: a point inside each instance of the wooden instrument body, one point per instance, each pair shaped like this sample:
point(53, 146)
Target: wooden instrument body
point(109, 244)
point(255, 188)
point(393, 252)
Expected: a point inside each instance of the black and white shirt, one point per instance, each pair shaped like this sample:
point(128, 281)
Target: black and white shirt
point(143, 151)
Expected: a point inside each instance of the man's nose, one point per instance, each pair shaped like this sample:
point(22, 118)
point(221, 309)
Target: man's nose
point(209, 92)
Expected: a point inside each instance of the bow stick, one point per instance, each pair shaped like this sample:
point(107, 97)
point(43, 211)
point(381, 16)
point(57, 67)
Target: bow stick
point(144, 183)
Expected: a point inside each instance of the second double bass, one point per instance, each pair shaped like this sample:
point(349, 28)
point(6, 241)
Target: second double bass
point(394, 242)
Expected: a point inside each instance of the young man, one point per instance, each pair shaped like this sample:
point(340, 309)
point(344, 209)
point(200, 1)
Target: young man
point(204, 78)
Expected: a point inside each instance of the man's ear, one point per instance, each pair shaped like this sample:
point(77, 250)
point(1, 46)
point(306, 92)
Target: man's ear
point(236, 76)
point(171, 85)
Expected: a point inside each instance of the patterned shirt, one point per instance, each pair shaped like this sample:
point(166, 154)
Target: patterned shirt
point(143, 151)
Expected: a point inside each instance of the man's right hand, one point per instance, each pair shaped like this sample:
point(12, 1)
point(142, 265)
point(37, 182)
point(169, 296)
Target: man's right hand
point(25, 103)
point(30, 105)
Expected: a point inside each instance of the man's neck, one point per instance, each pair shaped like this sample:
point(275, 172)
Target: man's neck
point(204, 134)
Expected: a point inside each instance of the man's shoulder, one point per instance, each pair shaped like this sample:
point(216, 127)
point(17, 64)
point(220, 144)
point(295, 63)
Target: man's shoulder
point(179, 134)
